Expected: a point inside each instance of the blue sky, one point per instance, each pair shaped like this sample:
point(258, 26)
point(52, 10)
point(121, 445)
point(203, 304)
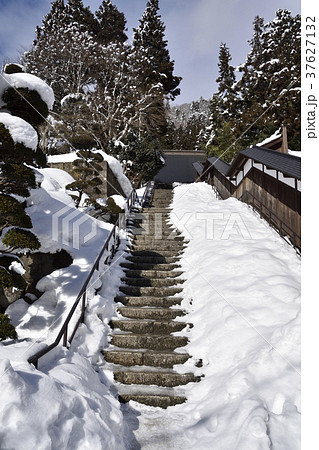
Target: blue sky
point(194, 30)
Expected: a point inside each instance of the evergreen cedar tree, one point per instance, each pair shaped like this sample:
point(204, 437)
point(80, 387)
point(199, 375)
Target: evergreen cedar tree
point(272, 64)
point(125, 86)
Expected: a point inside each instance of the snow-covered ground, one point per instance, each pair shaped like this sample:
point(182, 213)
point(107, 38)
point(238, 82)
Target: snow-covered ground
point(242, 296)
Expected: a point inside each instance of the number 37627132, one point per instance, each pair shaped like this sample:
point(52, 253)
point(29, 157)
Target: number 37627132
point(310, 47)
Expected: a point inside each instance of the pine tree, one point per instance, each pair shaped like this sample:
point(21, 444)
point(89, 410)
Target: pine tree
point(77, 13)
point(150, 47)
point(226, 81)
point(111, 24)
point(282, 39)
point(224, 109)
point(86, 172)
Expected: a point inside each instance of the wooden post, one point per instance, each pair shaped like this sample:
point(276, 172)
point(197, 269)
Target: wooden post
point(284, 145)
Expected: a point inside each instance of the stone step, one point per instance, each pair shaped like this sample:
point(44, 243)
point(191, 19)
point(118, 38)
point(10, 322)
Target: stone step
point(154, 342)
point(150, 291)
point(149, 239)
point(151, 282)
point(158, 401)
point(159, 248)
point(156, 254)
point(157, 302)
point(151, 358)
point(154, 313)
point(148, 326)
point(169, 379)
point(153, 273)
point(158, 209)
point(152, 259)
point(150, 266)
point(157, 245)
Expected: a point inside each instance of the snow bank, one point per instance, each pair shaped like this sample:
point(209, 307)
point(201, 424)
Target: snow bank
point(26, 80)
point(242, 291)
point(68, 403)
point(20, 130)
point(63, 406)
point(59, 225)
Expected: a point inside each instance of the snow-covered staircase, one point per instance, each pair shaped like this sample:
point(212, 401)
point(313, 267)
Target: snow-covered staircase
point(143, 349)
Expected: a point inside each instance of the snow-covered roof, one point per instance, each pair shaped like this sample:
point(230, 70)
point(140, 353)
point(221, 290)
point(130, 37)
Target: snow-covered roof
point(276, 135)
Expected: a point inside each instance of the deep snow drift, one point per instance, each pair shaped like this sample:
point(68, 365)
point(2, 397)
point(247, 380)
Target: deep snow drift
point(242, 294)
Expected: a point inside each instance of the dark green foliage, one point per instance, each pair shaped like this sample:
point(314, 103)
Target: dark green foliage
point(86, 171)
point(11, 152)
point(113, 210)
point(16, 179)
point(12, 213)
point(82, 140)
point(150, 51)
point(268, 93)
point(27, 104)
point(17, 238)
point(224, 146)
point(76, 12)
point(111, 24)
point(145, 152)
point(9, 279)
point(7, 330)
point(13, 68)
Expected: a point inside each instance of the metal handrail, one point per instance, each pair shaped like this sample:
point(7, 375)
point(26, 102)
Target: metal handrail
point(146, 192)
point(271, 215)
point(63, 333)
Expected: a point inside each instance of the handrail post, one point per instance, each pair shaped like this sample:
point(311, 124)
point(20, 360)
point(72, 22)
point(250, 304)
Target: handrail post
point(65, 337)
point(83, 306)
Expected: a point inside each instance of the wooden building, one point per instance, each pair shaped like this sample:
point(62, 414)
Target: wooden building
point(267, 179)
point(179, 166)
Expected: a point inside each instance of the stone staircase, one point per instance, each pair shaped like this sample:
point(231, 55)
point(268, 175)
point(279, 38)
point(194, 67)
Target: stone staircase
point(143, 350)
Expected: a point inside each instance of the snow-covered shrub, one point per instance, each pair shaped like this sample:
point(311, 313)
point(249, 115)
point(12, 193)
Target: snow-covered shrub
point(27, 104)
point(12, 213)
point(7, 330)
point(17, 179)
point(13, 68)
point(113, 209)
point(17, 238)
point(9, 279)
point(14, 151)
point(86, 170)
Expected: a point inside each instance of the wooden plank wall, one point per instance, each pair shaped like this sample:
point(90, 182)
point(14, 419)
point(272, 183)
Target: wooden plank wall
point(283, 200)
